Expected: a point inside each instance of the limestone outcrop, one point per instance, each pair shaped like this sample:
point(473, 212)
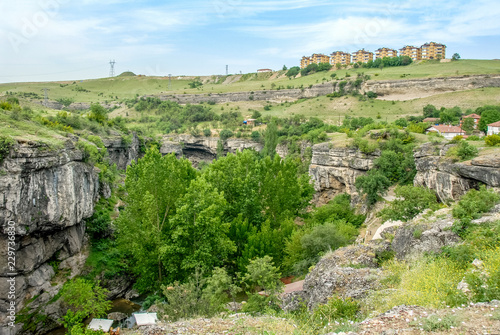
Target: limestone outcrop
point(46, 193)
point(120, 152)
point(334, 171)
point(202, 148)
point(449, 179)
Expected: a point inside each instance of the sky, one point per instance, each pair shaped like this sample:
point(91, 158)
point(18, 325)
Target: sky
point(50, 40)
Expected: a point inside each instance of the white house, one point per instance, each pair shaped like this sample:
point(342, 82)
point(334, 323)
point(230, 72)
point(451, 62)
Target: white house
point(494, 128)
point(447, 131)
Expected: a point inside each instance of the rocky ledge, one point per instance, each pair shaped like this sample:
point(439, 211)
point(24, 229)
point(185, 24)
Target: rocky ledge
point(450, 180)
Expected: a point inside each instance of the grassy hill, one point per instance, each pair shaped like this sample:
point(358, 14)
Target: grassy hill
point(126, 87)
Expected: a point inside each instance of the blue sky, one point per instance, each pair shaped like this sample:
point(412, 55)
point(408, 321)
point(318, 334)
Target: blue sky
point(63, 39)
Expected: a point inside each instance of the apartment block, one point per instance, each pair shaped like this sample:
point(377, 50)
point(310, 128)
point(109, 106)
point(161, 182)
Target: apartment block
point(339, 57)
point(385, 52)
point(413, 52)
point(362, 56)
point(433, 50)
point(315, 58)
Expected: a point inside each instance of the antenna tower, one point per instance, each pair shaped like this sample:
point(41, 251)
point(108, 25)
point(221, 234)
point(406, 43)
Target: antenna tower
point(112, 68)
point(169, 81)
point(227, 70)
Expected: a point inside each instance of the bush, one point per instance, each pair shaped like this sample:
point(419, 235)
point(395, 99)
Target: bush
point(411, 200)
point(225, 134)
point(467, 151)
point(371, 95)
point(5, 144)
point(474, 203)
point(492, 140)
point(207, 132)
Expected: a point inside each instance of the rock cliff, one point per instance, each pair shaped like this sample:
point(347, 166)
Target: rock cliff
point(46, 193)
point(120, 152)
point(334, 171)
point(202, 148)
point(449, 179)
point(433, 85)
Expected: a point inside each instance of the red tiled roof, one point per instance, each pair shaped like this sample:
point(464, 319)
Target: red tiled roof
point(430, 119)
point(474, 116)
point(495, 124)
point(447, 129)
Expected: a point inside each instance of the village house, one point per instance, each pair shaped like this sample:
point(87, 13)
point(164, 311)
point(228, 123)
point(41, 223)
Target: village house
point(264, 70)
point(472, 116)
point(434, 120)
point(447, 131)
point(494, 128)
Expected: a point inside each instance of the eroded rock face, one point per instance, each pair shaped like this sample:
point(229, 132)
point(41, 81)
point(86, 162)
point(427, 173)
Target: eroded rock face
point(450, 180)
point(202, 148)
point(334, 171)
point(121, 153)
point(47, 194)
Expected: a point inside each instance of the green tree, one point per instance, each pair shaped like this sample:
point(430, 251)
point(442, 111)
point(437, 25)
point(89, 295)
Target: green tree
point(490, 115)
point(430, 111)
point(270, 139)
point(83, 299)
point(373, 184)
point(468, 125)
point(455, 56)
point(293, 71)
point(153, 184)
point(198, 234)
point(262, 274)
point(284, 68)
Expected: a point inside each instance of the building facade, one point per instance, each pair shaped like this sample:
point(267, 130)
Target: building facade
point(315, 58)
point(446, 131)
point(362, 56)
point(413, 52)
point(385, 52)
point(494, 128)
point(433, 50)
point(339, 57)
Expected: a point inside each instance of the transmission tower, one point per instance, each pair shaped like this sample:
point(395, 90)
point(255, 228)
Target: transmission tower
point(227, 70)
point(46, 96)
point(112, 68)
point(169, 81)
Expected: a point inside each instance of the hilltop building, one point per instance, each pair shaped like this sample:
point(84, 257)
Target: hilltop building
point(264, 70)
point(433, 50)
point(385, 52)
point(339, 57)
point(315, 58)
point(413, 52)
point(362, 56)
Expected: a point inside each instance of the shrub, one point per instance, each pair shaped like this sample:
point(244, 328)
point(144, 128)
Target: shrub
point(371, 95)
point(225, 134)
point(485, 284)
point(434, 323)
point(5, 144)
point(411, 200)
point(492, 140)
point(207, 132)
point(466, 151)
point(472, 205)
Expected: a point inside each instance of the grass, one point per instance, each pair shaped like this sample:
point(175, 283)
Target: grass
point(117, 88)
point(434, 322)
point(27, 130)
